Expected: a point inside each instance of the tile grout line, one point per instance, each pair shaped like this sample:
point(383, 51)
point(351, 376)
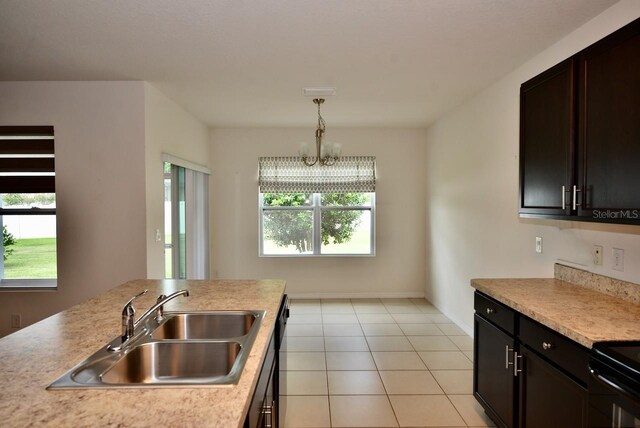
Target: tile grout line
point(386, 393)
point(326, 366)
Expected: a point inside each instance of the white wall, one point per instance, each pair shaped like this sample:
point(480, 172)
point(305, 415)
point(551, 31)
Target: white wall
point(472, 191)
point(399, 266)
point(99, 135)
point(168, 129)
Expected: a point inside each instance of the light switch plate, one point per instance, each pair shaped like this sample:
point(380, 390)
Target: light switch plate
point(618, 259)
point(539, 244)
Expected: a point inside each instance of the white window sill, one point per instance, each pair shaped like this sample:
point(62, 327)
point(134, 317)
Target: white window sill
point(28, 285)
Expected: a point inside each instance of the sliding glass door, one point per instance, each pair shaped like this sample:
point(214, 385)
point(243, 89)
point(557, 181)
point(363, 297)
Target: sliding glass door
point(186, 227)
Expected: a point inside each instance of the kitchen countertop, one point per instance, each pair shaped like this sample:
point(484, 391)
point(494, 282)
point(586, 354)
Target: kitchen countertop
point(37, 355)
point(581, 314)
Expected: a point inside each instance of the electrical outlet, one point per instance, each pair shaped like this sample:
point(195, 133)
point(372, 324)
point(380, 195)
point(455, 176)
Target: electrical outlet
point(539, 244)
point(618, 259)
point(158, 236)
point(597, 255)
point(16, 321)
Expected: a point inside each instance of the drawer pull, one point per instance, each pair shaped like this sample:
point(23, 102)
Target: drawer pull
point(268, 413)
point(547, 345)
point(516, 370)
point(507, 363)
point(491, 311)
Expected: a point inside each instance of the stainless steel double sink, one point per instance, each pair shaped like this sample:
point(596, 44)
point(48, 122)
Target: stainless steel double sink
point(181, 349)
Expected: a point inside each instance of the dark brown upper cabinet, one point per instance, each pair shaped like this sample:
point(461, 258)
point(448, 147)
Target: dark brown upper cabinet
point(609, 124)
point(547, 117)
point(580, 134)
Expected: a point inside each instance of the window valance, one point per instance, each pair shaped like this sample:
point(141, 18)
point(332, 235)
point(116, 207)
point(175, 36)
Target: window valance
point(290, 175)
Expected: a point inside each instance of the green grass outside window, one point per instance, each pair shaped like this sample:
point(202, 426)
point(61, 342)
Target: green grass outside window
point(32, 258)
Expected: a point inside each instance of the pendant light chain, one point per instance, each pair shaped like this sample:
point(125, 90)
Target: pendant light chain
point(332, 154)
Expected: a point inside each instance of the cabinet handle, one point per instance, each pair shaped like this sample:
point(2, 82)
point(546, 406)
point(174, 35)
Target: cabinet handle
point(547, 345)
point(507, 363)
point(516, 370)
point(564, 198)
point(575, 196)
point(267, 412)
point(491, 311)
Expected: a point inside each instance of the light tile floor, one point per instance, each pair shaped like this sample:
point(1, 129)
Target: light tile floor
point(376, 363)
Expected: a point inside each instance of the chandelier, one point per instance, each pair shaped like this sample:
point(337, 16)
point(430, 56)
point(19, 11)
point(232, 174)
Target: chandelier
point(326, 154)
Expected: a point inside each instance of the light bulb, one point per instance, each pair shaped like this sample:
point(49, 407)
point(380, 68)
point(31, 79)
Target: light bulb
point(325, 149)
point(303, 150)
point(337, 150)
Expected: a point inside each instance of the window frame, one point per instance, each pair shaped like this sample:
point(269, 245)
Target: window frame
point(31, 134)
point(13, 284)
point(316, 210)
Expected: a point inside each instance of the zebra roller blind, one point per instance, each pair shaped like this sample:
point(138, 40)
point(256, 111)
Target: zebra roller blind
point(291, 175)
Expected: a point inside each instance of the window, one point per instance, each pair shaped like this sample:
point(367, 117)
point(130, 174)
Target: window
point(317, 224)
point(319, 210)
point(27, 207)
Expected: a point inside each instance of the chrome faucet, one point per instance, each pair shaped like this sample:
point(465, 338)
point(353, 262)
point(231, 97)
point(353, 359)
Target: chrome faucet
point(159, 305)
point(128, 315)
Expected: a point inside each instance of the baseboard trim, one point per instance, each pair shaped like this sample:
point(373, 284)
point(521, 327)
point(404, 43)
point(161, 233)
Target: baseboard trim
point(365, 295)
point(467, 329)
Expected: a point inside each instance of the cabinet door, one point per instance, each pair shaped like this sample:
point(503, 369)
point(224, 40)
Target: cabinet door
point(547, 117)
point(264, 392)
point(493, 380)
point(270, 408)
point(548, 397)
point(609, 131)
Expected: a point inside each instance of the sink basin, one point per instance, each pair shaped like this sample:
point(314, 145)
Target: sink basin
point(182, 349)
point(202, 326)
point(162, 362)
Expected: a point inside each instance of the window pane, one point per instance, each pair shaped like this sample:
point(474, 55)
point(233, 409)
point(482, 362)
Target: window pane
point(346, 232)
point(345, 199)
point(168, 248)
point(287, 232)
point(181, 221)
point(28, 200)
point(287, 199)
point(29, 243)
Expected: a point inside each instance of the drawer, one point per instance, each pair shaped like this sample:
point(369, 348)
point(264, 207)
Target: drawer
point(494, 311)
point(564, 352)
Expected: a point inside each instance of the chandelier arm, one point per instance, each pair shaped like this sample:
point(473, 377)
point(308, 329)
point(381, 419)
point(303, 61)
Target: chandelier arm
point(329, 159)
point(304, 159)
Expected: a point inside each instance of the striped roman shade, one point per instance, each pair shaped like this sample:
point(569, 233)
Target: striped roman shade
point(27, 162)
point(291, 175)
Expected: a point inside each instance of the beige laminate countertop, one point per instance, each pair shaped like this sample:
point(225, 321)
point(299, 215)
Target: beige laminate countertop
point(581, 314)
point(32, 358)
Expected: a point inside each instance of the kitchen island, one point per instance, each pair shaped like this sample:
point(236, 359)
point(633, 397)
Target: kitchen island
point(34, 357)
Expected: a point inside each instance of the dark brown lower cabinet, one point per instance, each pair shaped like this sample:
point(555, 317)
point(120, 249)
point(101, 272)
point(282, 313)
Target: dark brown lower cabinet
point(535, 378)
point(264, 411)
point(263, 408)
point(548, 397)
point(494, 385)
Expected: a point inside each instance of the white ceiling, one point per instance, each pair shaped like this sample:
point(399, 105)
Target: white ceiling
point(244, 63)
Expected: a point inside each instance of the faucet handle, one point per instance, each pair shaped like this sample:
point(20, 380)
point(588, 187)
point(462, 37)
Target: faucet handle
point(128, 307)
point(160, 310)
